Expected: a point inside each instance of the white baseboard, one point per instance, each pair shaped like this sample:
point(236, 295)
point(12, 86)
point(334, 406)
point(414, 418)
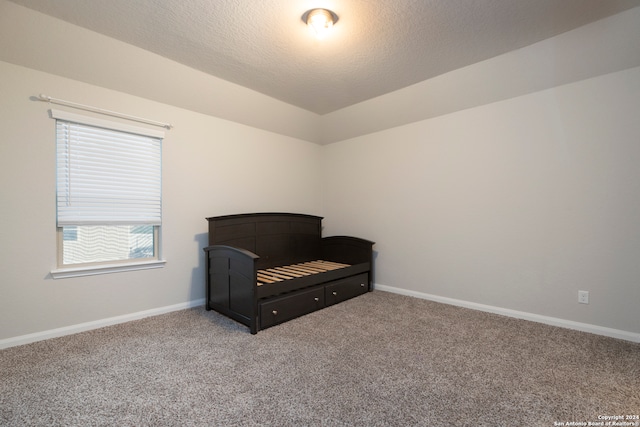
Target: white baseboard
point(569, 324)
point(81, 327)
point(554, 321)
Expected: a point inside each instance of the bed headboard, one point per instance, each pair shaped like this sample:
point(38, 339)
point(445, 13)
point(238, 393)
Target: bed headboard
point(277, 238)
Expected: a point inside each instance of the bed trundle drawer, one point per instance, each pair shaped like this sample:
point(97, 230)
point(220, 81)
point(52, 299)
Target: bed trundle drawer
point(344, 289)
point(287, 307)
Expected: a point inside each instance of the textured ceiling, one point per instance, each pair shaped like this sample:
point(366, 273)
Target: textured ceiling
point(375, 48)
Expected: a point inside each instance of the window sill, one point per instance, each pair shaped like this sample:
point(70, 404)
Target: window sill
point(63, 273)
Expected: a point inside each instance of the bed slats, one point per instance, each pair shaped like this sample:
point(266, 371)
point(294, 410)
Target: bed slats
point(279, 274)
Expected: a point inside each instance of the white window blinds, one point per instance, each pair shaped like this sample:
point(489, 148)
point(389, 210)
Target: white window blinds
point(105, 175)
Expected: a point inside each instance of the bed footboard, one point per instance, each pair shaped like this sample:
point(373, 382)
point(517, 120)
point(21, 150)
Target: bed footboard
point(231, 283)
point(349, 250)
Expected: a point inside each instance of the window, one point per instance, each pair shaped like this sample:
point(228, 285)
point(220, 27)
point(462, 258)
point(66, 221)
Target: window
point(109, 195)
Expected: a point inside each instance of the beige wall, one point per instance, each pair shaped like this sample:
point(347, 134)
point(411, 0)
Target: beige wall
point(210, 167)
point(516, 204)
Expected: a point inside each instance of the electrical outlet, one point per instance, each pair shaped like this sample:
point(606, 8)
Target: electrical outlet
point(583, 297)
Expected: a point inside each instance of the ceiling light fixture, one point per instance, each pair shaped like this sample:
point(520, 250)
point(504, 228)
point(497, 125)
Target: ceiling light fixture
point(319, 21)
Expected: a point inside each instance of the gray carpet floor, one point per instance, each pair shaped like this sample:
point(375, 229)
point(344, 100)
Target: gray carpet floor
point(380, 359)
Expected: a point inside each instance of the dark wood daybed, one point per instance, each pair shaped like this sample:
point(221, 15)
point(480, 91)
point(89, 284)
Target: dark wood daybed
point(266, 268)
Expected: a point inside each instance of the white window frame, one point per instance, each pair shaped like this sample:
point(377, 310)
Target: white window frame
point(85, 269)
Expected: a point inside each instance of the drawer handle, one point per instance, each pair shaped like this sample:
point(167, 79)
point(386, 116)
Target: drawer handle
point(316, 299)
point(362, 285)
point(334, 293)
point(275, 312)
